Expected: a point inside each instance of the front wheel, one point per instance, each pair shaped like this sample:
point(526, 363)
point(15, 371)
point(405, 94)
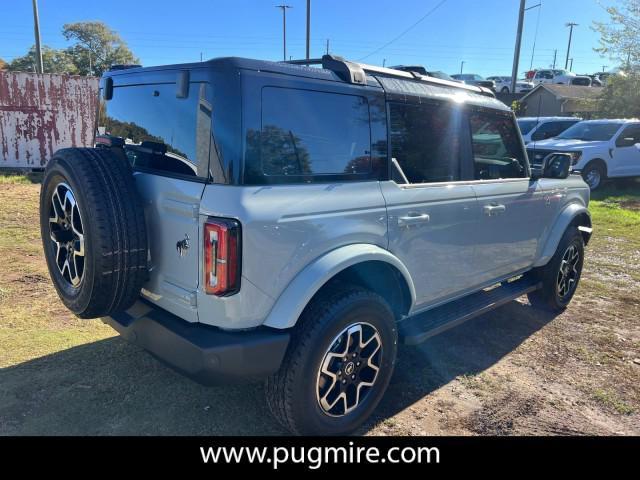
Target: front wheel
point(593, 175)
point(338, 365)
point(560, 277)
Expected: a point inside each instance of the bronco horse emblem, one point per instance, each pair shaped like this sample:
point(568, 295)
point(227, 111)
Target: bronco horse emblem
point(183, 245)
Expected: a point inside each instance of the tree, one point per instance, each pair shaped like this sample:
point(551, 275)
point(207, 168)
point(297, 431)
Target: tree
point(3, 64)
point(620, 37)
point(96, 47)
point(54, 61)
point(621, 97)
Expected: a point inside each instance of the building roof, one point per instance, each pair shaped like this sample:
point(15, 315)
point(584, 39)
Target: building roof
point(567, 92)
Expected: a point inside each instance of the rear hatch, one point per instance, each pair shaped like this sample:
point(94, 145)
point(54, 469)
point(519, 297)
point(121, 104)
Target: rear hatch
point(166, 126)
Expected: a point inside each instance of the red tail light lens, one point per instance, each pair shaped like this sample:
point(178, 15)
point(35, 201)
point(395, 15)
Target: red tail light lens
point(221, 256)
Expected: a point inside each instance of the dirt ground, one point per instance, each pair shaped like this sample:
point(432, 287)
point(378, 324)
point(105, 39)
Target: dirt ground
point(514, 371)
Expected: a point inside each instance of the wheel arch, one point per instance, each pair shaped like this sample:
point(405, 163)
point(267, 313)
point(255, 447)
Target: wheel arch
point(365, 265)
point(573, 215)
point(600, 162)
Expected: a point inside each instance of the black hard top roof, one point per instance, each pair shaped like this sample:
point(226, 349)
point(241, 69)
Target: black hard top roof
point(394, 81)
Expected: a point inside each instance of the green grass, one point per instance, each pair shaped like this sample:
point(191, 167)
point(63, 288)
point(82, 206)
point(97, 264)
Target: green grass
point(20, 178)
point(609, 399)
point(616, 210)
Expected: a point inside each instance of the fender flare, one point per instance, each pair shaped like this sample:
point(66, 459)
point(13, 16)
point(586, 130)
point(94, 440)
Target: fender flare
point(289, 306)
point(566, 218)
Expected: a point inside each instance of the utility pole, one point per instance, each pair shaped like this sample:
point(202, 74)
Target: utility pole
point(570, 25)
point(284, 29)
point(327, 46)
point(571, 65)
point(384, 62)
point(604, 67)
point(516, 54)
point(555, 57)
point(462, 66)
point(36, 28)
point(308, 28)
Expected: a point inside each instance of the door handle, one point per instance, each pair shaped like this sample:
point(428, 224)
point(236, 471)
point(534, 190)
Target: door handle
point(491, 210)
point(413, 218)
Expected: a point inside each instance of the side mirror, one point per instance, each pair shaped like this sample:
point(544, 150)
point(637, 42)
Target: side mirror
point(556, 165)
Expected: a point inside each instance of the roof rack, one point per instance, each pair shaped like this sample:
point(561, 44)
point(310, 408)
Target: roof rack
point(354, 72)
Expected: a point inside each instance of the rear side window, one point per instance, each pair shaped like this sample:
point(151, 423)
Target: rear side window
point(306, 134)
point(163, 134)
point(497, 148)
point(425, 142)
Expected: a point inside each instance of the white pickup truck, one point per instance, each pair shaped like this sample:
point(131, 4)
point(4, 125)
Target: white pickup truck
point(600, 149)
point(562, 77)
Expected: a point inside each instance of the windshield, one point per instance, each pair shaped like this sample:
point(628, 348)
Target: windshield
point(591, 131)
point(527, 125)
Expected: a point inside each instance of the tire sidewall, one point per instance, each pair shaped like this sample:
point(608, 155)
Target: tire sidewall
point(74, 298)
point(311, 417)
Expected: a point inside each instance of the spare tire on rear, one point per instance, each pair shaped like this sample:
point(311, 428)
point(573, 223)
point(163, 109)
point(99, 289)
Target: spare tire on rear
point(93, 231)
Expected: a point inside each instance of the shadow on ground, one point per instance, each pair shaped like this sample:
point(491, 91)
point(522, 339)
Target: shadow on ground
point(112, 387)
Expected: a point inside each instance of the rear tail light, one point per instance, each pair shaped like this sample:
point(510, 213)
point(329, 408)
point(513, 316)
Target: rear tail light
point(221, 256)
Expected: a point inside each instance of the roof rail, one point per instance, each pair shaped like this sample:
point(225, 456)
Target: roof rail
point(123, 66)
point(354, 72)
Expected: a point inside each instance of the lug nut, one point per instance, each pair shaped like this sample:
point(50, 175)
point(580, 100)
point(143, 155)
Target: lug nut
point(357, 364)
point(344, 381)
point(353, 377)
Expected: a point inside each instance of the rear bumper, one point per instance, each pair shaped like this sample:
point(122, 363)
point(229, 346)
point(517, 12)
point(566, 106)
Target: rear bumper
point(205, 354)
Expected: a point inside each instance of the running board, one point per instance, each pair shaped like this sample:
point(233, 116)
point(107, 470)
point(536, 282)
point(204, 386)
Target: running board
point(420, 327)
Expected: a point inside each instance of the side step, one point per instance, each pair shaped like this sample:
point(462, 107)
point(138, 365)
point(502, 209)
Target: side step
point(420, 327)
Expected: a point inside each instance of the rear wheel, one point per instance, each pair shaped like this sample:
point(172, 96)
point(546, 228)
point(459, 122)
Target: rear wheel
point(338, 366)
point(560, 277)
point(93, 231)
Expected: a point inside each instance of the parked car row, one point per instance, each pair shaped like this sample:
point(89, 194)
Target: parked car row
point(599, 149)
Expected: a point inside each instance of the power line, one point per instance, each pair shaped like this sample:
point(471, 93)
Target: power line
point(442, 2)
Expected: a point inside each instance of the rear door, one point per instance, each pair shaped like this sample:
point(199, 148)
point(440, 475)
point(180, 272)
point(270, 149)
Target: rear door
point(431, 213)
point(168, 137)
point(512, 207)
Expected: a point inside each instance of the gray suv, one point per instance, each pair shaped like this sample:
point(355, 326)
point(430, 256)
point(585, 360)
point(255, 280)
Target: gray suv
point(245, 219)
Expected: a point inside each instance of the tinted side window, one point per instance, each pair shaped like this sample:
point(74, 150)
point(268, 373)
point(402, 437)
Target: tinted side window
point(632, 132)
point(164, 134)
point(307, 133)
point(497, 150)
point(425, 141)
point(550, 130)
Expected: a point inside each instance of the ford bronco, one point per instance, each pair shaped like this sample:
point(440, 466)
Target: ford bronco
point(294, 222)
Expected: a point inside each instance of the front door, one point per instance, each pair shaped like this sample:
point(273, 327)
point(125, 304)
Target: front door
point(431, 214)
point(512, 207)
point(626, 155)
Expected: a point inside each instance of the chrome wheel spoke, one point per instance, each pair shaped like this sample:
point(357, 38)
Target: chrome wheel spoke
point(568, 272)
point(67, 234)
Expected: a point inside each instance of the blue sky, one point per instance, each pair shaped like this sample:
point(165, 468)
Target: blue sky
point(479, 32)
